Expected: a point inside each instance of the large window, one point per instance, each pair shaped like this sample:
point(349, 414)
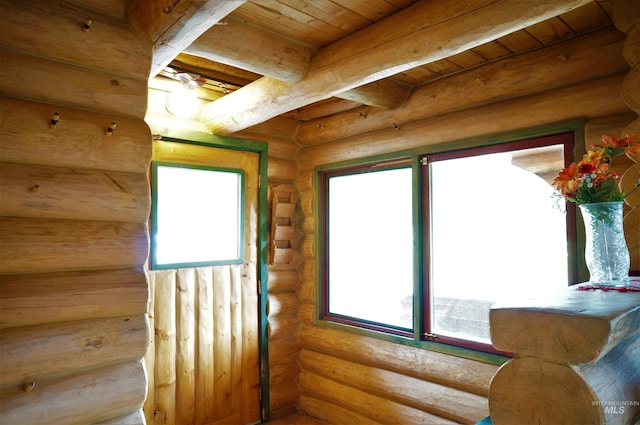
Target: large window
point(197, 216)
point(423, 247)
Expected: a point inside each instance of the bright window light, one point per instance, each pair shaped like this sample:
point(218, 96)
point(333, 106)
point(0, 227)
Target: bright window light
point(371, 247)
point(197, 216)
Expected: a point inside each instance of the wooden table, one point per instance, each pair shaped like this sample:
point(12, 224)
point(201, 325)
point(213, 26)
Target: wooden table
point(576, 359)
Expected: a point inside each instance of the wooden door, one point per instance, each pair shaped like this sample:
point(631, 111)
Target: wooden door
point(203, 360)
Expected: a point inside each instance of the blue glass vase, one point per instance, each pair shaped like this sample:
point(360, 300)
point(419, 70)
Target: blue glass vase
point(606, 253)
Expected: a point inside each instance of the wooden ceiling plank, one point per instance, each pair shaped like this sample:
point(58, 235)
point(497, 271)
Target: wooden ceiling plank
point(172, 26)
point(267, 97)
point(214, 70)
point(331, 13)
point(519, 41)
point(260, 52)
point(467, 59)
point(586, 18)
point(492, 50)
point(270, 19)
point(550, 30)
point(373, 11)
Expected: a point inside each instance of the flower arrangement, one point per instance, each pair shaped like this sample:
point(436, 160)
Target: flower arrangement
point(590, 181)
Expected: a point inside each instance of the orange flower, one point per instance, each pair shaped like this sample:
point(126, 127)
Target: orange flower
point(593, 156)
point(566, 181)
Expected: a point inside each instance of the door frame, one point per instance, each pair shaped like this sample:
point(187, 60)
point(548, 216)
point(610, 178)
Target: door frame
point(261, 149)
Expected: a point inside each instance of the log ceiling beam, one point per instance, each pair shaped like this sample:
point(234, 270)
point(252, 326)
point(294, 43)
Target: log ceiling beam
point(173, 25)
point(423, 33)
point(267, 54)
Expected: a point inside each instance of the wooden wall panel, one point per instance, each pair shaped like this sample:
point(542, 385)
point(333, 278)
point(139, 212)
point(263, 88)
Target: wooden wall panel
point(45, 349)
point(39, 298)
point(40, 245)
point(370, 406)
point(77, 141)
point(550, 107)
point(206, 360)
point(71, 86)
point(67, 193)
point(62, 27)
point(109, 392)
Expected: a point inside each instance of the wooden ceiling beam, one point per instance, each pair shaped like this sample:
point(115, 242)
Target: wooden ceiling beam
point(267, 54)
point(246, 47)
point(410, 42)
point(172, 25)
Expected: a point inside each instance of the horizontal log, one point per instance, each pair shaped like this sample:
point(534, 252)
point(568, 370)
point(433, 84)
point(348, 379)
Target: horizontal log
point(332, 413)
point(72, 86)
point(308, 271)
point(325, 108)
point(563, 64)
point(455, 372)
point(62, 28)
point(282, 280)
point(307, 313)
point(631, 50)
point(279, 169)
point(135, 418)
point(110, 391)
point(36, 352)
point(584, 324)
point(625, 14)
point(280, 126)
point(308, 247)
point(283, 372)
point(78, 140)
point(307, 203)
point(427, 396)
point(531, 390)
point(284, 350)
point(631, 89)
point(371, 406)
point(68, 193)
point(32, 245)
point(283, 326)
point(308, 225)
point(307, 292)
point(283, 303)
point(304, 180)
point(283, 394)
point(526, 112)
point(30, 299)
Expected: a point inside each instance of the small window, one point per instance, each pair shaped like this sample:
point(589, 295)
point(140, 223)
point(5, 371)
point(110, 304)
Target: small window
point(197, 216)
point(369, 256)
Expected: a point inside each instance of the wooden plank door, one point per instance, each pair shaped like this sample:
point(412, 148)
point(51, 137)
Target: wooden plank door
point(203, 360)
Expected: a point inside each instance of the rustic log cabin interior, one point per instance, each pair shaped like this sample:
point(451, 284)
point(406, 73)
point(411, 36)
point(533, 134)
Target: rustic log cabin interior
point(98, 327)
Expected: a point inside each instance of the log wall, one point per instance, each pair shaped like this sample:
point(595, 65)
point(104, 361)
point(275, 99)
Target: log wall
point(350, 378)
point(73, 212)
